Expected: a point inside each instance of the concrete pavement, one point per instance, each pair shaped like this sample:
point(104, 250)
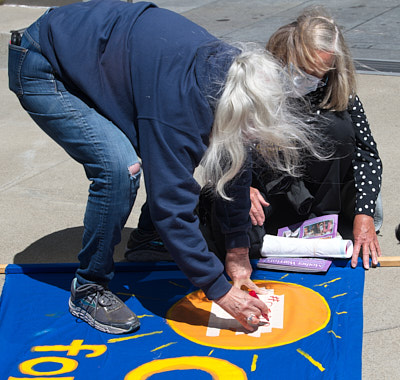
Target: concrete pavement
point(43, 192)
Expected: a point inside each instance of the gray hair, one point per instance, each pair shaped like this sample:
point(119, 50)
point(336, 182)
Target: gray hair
point(253, 109)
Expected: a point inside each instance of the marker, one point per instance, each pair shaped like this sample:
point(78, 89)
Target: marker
point(254, 294)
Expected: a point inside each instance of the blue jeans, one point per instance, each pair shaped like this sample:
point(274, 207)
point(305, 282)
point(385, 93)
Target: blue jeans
point(89, 138)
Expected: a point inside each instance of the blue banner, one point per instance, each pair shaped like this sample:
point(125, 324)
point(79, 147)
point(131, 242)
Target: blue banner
point(315, 331)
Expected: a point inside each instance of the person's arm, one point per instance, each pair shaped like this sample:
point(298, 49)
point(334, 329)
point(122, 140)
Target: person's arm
point(234, 220)
point(169, 157)
point(235, 223)
point(367, 168)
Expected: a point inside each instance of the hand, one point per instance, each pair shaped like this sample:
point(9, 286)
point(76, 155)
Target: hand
point(237, 302)
point(241, 306)
point(365, 237)
point(257, 215)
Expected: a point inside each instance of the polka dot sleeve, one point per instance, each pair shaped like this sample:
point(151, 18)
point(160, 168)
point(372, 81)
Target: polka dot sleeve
point(366, 163)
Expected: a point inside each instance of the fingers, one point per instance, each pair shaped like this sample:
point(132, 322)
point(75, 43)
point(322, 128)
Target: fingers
point(257, 215)
point(252, 286)
point(369, 250)
point(365, 256)
point(253, 218)
point(244, 308)
point(254, 291)
point(257, 197)
point(262, 201)
point(373, 249)
point(252, 320)
point(354, 257)
point(378, 253)
point(256, 318)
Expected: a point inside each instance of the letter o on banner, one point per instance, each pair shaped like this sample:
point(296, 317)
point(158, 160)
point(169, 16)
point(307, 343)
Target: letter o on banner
point(67, 365)
point(219, 369)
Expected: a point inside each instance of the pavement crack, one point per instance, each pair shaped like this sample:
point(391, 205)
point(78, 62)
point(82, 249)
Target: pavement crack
point(371, 18)
point(382, 329)
point(27, 175)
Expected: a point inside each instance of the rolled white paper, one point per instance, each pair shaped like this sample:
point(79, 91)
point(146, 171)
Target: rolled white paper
point(292, 247)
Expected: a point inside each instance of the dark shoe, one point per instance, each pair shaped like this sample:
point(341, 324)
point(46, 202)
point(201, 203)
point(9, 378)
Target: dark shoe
point(397, 232)
point(101, 309)
point(145, 245)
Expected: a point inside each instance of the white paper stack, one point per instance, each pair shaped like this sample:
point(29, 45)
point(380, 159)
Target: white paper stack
point(290, 247)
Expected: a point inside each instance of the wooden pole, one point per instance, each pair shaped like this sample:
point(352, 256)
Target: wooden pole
point(389, 261)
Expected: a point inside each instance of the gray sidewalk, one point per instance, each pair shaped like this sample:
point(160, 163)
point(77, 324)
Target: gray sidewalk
point(43, 192)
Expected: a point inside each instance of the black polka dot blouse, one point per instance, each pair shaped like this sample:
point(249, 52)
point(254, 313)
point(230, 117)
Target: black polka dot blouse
point(367, 164)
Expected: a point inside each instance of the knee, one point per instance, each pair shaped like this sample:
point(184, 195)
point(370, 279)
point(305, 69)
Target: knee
point(117, 176)
point(134, 169)
point(119, 170)
point(126, 176)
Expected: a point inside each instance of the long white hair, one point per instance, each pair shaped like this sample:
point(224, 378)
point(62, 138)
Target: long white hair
point(253, 110)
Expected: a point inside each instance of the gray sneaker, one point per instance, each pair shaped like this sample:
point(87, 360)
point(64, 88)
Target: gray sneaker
point(101, 309)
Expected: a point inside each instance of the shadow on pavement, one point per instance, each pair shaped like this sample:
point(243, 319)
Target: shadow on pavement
point(63, 247)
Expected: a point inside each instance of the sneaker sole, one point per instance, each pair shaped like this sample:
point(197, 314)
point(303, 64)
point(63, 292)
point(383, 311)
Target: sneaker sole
point(86, 317)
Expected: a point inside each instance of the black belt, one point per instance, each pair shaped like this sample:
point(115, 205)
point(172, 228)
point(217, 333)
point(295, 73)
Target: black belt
point(16, 36)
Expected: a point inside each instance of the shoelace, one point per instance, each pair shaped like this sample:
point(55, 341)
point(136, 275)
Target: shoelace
point(107, 298)
point(104, 297)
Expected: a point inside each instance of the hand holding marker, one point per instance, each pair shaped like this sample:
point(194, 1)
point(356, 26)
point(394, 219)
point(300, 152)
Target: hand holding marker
point(265, 315)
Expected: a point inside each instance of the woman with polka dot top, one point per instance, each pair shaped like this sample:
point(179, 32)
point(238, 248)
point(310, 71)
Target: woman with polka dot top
point(317, 61)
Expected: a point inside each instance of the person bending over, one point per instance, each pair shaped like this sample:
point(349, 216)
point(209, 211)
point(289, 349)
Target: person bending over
point(130, 87)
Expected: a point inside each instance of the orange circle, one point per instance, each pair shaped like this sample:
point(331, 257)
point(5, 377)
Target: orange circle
point(305, 312)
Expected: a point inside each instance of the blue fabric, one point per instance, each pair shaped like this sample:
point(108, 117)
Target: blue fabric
point(33, 312)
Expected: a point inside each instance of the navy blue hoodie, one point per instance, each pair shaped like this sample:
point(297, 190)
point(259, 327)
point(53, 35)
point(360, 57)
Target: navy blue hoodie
point(155, 75)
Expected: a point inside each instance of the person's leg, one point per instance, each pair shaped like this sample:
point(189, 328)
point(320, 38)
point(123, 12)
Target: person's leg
point(110, 162)
point(145, 223)
point(144, 242)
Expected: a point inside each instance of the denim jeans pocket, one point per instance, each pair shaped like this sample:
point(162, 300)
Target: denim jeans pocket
point(16, 57)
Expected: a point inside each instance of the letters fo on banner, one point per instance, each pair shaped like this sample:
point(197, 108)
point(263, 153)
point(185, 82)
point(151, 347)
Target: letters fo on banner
point(218, 368)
